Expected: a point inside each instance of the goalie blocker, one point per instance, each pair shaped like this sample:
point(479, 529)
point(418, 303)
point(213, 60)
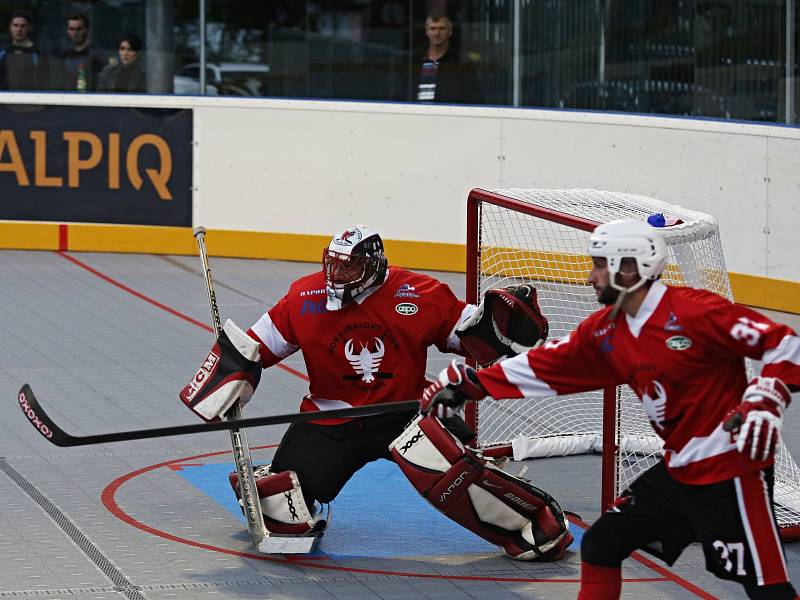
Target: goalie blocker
point(230, 372)
point(526, 522)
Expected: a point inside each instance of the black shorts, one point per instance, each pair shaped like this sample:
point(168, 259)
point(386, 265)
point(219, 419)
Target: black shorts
point(325, 457)
point(733, 520)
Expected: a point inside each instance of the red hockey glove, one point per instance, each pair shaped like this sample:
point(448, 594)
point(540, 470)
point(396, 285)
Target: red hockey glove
point(756, 422)
point(456, 384)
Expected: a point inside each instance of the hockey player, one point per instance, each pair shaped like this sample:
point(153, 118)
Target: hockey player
point(364, 328)
point(681, 350)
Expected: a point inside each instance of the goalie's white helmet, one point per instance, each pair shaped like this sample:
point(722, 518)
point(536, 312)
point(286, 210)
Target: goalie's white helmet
point(353, 262)
point(630, 238)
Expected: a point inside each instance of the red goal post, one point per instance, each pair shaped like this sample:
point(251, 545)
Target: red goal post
point(540, 236)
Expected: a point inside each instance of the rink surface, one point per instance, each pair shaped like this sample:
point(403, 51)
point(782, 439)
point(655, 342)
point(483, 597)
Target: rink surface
point(106, 341)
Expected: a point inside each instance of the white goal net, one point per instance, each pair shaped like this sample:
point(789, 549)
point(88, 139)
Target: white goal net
point(540, 236)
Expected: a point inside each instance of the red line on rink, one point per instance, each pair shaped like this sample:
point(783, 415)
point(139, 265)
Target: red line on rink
point(158, 304)
point(63, 237)
point(700, 593)
point(108, 497)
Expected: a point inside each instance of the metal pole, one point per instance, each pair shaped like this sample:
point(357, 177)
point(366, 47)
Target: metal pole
point(791, 83)
point(160, 51)
point(601, 58)
point(516, 60)
point(201, 7)
point(610, 477)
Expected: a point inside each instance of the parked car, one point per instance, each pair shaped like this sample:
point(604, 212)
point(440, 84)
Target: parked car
point(190, 86)
point(228, 79)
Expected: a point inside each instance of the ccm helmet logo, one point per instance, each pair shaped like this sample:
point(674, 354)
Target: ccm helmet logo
point(406, 308)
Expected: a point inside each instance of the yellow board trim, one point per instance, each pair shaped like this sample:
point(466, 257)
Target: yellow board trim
point(141, 239)
point(19, 235)
point(763, 292)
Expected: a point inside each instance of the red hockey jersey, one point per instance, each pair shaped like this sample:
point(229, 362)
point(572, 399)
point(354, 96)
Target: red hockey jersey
point(683, 357)
point(372, 350)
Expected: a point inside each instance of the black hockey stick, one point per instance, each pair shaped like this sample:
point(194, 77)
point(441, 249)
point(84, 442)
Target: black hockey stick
point(52, 432)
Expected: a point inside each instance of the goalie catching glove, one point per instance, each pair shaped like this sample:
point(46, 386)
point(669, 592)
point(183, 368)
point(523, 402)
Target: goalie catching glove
point(455, 385)
point(507, 322)
point(756, 422)
point(230, 372)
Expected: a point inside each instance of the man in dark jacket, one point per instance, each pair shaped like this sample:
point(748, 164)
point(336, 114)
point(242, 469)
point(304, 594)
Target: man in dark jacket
point(441, 76)
point(82, 62)
point(22, 65)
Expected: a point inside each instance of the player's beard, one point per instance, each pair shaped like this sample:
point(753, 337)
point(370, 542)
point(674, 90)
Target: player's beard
point(608, 295)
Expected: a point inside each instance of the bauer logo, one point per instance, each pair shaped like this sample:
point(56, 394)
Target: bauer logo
point(203, 373)
point(407, 309)
point(520, 501)
point(679, 342)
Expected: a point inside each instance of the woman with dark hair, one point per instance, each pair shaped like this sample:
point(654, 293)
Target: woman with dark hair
point(127, 76)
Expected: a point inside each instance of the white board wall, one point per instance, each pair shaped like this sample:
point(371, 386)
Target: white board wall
point(314, 167)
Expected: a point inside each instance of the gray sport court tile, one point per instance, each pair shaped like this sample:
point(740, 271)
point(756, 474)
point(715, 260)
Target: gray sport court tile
point(102, 358)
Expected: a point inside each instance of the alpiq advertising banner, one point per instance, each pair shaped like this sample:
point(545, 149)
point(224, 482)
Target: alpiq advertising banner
point(90, 164)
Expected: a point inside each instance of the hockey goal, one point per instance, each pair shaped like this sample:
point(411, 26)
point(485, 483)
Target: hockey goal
point(516, 235)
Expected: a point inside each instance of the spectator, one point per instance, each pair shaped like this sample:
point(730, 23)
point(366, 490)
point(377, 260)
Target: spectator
point(82, 61)
point(442, 77)
point(22, 65)
point(127, 76)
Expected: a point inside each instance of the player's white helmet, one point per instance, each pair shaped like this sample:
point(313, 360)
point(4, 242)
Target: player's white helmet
point(630, 238)
point(353, 262)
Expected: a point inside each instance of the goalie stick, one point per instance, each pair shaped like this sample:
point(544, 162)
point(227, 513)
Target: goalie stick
point(248, 491)
point(42, 422)
point(241, 450)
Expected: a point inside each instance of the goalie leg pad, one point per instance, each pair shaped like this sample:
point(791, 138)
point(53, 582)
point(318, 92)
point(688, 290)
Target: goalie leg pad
point(282, 503)
point(504, 510)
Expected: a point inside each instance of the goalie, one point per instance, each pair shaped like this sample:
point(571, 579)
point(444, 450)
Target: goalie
point(364, 329)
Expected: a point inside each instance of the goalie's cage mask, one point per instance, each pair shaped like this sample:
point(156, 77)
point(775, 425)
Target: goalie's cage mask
point(353, 262)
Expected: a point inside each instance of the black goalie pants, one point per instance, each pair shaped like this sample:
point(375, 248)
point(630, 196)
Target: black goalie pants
point(325, 457)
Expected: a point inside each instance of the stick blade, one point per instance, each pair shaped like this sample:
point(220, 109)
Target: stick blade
point(288, 544)
point(40, 420)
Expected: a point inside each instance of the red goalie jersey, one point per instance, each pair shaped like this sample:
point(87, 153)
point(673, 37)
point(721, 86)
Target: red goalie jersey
point(372, 350)
point(682, 355)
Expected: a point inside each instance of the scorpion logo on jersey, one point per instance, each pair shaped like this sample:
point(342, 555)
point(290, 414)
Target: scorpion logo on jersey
point(656, 405)
point(365, 363)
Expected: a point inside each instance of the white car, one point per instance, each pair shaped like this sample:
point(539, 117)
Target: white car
point(230, 79)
